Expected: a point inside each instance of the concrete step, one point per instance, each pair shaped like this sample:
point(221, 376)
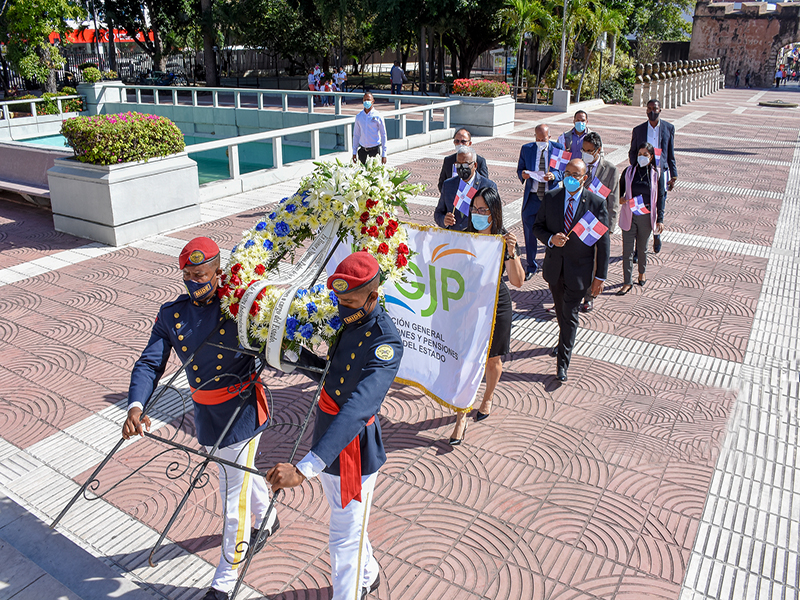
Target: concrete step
point(37, 563)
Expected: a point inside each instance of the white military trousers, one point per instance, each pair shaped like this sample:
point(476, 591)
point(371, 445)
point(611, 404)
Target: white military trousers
point(242, 493)
point(352, 563)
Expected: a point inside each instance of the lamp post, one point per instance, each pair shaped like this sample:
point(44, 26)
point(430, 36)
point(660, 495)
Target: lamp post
point(560, 84)
point(601, 45)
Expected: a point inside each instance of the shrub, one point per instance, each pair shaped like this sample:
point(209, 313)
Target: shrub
point(483, 88)
point(110, 75)
point(124, 137)
point(92, 74)
point(24, 107)
point(50, 105)
point(613, 92)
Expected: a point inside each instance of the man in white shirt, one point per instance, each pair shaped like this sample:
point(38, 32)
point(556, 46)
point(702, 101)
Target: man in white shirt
point(369, 133)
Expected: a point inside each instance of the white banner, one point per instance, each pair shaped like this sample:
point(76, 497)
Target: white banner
point(445, 312)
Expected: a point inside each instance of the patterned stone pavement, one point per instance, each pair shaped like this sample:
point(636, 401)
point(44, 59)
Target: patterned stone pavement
point(664, 469)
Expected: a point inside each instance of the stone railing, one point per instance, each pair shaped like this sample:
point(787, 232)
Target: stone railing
point(676, 83)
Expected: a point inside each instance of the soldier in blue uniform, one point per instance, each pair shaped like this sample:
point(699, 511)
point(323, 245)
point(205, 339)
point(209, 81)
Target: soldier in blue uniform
point(215, 376)
point(347, 449)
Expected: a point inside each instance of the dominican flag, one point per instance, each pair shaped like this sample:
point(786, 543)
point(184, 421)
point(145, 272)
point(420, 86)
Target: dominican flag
point(597, 187)
point(589, 229)
point(658, 156)
point(637, 206)
point(559, 159)
point(464, 197)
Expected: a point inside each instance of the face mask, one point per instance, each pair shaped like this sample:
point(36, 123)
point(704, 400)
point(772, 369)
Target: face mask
point(464, 171)
point(352, 315)
point(652, 115)
point(367, 104)
point(199, 292)
point(643, 160)
point(580, 126)
point(588, 158)
point(571, 184)
point(542, 145)
point(479, 222)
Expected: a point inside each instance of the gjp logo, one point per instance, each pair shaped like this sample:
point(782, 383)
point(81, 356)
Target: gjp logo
point(448, 285)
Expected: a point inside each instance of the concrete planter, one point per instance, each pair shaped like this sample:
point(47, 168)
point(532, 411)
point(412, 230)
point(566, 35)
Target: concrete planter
point(99, 94)
point(119, 204)
point(484, 116)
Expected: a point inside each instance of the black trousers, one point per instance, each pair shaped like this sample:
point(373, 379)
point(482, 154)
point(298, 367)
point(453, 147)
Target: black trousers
point(567, 302)
point(363, 153)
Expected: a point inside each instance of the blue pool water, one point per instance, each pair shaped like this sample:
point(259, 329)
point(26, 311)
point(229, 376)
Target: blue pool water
point(212, 165)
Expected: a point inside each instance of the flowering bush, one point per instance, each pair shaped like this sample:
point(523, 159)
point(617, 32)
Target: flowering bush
point(109, 75)
point(92, 74)
point(483, 88)
point(365, 199)
point(123, 137)
point(50, 105)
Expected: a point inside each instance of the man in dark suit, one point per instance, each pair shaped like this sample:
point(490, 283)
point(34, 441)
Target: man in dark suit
point(570, 266)
point(467, 169)
point(535, 157)
point(661, 135)
point(462, 138)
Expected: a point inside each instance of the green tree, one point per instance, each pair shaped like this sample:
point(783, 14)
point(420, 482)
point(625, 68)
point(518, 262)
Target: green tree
point(26, 25)
point(475, 27)
point(599, 20)
point(521, 17)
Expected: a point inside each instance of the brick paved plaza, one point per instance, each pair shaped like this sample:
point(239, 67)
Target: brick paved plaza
point(665, 468)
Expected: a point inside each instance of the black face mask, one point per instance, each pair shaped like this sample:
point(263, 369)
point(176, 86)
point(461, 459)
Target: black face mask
point(464, 171)
point(653, 116)
point(199, 292)
point(352, 315)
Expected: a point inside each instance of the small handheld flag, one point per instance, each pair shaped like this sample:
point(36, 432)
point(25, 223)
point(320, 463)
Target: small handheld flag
point(658, 157)
point(464, 197)
point(559, 159)
point(589, 229)
point(637, 206)
point(597, 187)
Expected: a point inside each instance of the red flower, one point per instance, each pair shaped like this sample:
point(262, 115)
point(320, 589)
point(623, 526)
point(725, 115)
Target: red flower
point(223, 291)
point(364, 217)
point(383, 249)
point(372, 203)
point(393, 224)
point(260, 269)
point(239, 293)
point(224, 277)
point(379, 220)
point(252, 281)
point(389, 232)
point(402, 249)
point(235, 280)
point(402, 261)
point(254, 308)
point(363, 231)
point(261, 294)
point(234, 308)
point(373, 231)
point(236, 268)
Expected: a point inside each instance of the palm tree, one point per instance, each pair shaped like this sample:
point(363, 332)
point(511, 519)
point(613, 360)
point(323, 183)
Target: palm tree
point(520, 17)
point(599, 20)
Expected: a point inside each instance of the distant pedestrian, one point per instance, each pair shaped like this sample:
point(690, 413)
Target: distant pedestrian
point(398, 78)
point(747, 80)
point(736, 78)
point(778, 77)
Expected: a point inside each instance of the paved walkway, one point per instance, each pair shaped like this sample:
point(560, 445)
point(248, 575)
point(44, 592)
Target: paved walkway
point(664, 469)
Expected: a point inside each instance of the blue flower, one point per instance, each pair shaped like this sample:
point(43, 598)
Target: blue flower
point(268, 244)
point(234, 249)
point(291, 327)
point(249, 244)
point(301, 292)
point(335, 322)
point(305, 203)
point(311, 308)
point(261, 226)
point(272, 216)
point(290, 208)
point(281, 229)
point(307, 331)
point(284, 199)
point(334, 298)
point(318, 288)
point(305, 194)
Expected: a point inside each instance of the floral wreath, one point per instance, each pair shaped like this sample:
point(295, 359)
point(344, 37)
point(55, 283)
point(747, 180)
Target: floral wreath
point(365, 198)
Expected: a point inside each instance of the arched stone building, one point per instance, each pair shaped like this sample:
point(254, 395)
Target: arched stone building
point(747, 38)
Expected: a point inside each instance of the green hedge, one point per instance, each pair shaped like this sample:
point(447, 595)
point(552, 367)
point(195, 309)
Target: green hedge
point(92, 74)
point(124, 137)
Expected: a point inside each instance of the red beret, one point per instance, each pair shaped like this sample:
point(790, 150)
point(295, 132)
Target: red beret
point(356, 270)
point(198, 251)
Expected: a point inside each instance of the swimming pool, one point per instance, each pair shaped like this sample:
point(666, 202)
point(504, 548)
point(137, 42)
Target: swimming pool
point(212, 165)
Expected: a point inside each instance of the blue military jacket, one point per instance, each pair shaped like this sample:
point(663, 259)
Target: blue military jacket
point(364, 361)
point(184, 325)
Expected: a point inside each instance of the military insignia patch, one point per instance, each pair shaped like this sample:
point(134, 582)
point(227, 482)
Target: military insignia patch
point(197, 257)
point(340, 285)
point(384, 352)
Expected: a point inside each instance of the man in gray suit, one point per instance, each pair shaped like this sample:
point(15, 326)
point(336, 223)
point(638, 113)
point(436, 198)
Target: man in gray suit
point(602, 179)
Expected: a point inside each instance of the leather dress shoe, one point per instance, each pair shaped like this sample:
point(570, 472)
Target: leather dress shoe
point(213, 594)
point(366, 591)
point(561, 374)
point(553, 352)
point(656, 244)
point(587, 306)
point(551, 310)
point(269, 531)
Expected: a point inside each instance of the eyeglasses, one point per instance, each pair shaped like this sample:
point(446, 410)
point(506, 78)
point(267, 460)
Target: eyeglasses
point(481, 211)
point(466, 164)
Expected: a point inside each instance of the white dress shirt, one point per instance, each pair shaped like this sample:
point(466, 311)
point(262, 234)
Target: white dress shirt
point(654, 135)
point(369, 131)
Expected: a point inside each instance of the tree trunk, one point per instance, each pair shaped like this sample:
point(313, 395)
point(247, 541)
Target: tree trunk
point(421, 60)
point(520, 61)
point(586, 64)
point(159, 60)
point(209, 56)
point(613, 49)
point(432, 54)
point(6, 76)
point(50, 83)
point(112, 47)
point(453, 65)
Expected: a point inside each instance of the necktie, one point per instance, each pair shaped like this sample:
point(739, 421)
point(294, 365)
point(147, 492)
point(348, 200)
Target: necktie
point(568, 216)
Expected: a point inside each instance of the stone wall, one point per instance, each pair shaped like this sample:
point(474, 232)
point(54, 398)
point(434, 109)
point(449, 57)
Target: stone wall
point(747, 39)
point(676, 83)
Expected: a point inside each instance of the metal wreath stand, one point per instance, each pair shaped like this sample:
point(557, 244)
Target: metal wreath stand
point(307, 269)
